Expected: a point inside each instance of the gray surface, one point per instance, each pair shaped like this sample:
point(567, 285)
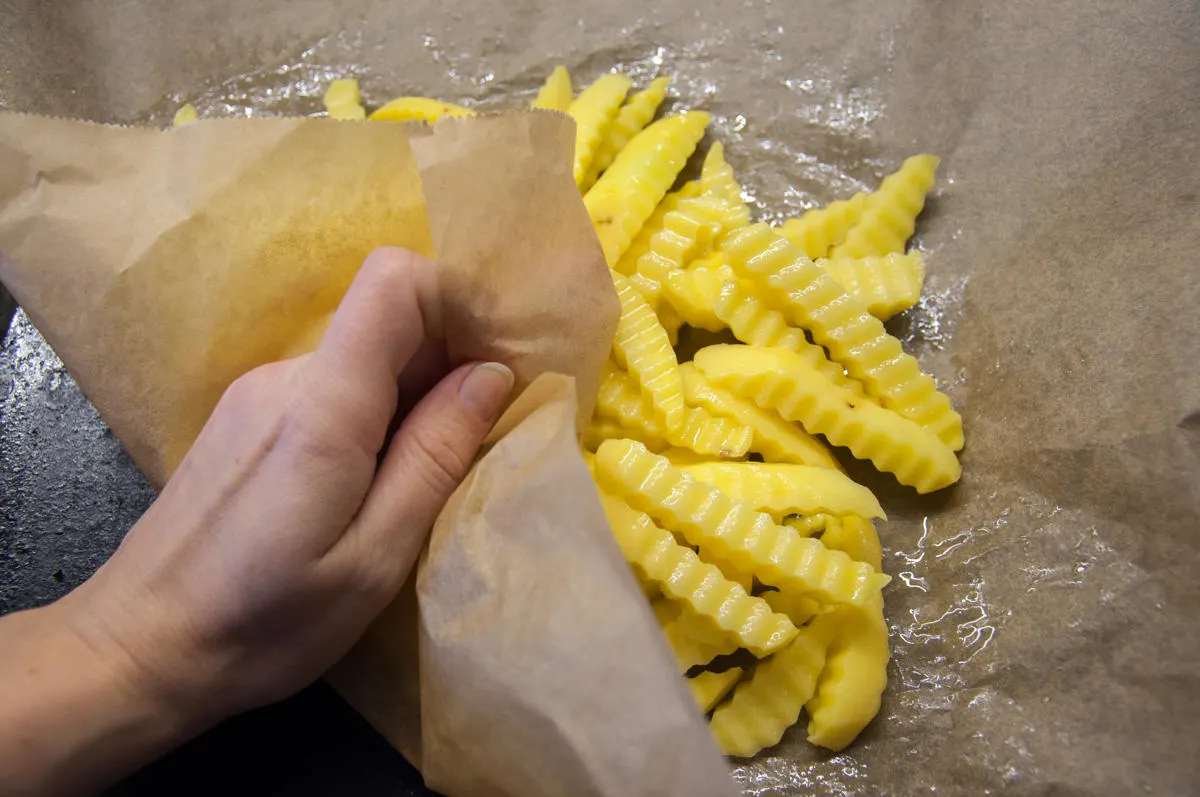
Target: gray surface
point(68, 493)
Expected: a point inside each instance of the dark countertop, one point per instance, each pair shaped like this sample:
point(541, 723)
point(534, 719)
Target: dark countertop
point(68, 494)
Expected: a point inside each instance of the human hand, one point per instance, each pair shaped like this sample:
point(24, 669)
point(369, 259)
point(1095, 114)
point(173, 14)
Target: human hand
point(296, 516)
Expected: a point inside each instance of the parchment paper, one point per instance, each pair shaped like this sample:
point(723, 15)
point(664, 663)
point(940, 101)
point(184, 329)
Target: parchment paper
point(155, 311)
point(1043, 612)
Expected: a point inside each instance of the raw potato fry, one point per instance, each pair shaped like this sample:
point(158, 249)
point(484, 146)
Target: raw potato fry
point(730, 530)
point(855, 674)
point(644, 349)
point(601, 429)
point(640, 245)
point(403, 109)
point(681, 575)
point(818, 231)
point(685, 456)
point(856, 537)
point(629, 190)
point(693, 295)
point(782, 490)
point(632, 117)
point(891, 212)
point(808, 525)
point(716, 179)
point(769, 702)
point(186, 113)
point(685, 230)
point(886, 285)
point(752, 321)
point(708, 688)
point(556, 93)
point(798, 608)
point(342, 100)
point(742, 579)
point(776, 439)
point(692, 643)
point(594, 110)
point(809, 298)
point(667, 316)
point(780, 380)
point(620, 400)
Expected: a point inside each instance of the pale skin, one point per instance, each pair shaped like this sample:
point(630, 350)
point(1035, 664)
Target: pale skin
point(294, 519)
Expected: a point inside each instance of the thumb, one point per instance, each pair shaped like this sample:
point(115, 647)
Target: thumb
point(427, 459)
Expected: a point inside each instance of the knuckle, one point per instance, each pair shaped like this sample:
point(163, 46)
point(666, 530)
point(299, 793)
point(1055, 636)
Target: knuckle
point(440, 462)
point(376, 576)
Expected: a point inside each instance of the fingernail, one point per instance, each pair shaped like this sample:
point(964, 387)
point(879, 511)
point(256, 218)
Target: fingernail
point(484, 390)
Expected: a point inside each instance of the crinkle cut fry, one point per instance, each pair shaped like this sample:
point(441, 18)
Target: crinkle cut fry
point(809, 298)
point(625, 196)
point(683, 576)
point(769, 702)
point(730, 530)
point(779, 380)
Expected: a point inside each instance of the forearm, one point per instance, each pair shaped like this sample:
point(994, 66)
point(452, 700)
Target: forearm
point(73, 715)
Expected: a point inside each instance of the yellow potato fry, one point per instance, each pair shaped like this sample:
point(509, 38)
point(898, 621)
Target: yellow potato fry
point(556, 93)
point(818, 231)
point(342, 100)
point(769, 702)
point(809, 298)
point(852, 682)
point(620, 400)
point(185, 114)
point(730, 530)
point(856, 537)
point(669, 318)
point(780, 380)
point(681, 575)
point(886, 285)
point(752, 321)
point(782, 490)
point(798, 608)
point(403, 109)
point(605, 428)
point(806, 525)
point(685, 232)
point(642, 346)
point(776, 439)
point(739, 577)
point(692, 643)
point(626, 194)
point(632, 117)
point(594, 110)
point(709, 687)
point(716, 179)
point(640, 245)
point(685, 456)
point(649, 589)
point(693, 294)
point(891, 212)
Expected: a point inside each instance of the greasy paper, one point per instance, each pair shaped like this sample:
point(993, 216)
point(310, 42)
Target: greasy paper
point(1043, 611)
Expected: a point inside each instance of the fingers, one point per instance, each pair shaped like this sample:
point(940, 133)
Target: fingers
point(426, 461)
point(389, 310)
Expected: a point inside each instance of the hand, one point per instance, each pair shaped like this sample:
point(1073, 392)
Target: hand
point(296, 516)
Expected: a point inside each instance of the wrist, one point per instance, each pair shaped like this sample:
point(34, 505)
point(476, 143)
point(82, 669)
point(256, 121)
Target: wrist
point(74, 715)
point(138, 651)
